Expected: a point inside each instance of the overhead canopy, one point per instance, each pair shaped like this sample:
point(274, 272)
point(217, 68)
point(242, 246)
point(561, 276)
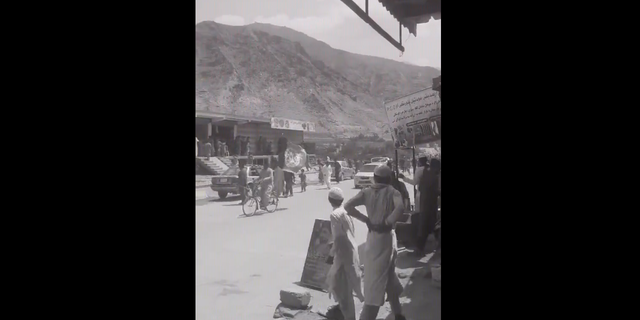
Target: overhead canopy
point(409, 14)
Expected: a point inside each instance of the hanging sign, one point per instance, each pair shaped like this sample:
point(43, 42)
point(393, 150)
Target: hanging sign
point(415, 118)
point(288, 124)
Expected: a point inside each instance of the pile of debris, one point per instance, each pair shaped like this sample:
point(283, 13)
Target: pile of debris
point(295, 304)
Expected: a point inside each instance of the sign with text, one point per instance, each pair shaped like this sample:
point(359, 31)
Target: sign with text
point(415, 115)
point(316, 268)
point(288, 124)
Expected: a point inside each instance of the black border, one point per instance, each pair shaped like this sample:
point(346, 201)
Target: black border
point(125, 244)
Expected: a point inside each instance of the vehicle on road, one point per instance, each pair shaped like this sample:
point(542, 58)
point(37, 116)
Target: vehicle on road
point(364, 177)
point(345, 171)
point(227, 183)
point(380, 159)
point(252, 205)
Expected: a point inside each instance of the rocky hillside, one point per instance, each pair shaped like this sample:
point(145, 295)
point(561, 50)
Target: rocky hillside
point(264, 70)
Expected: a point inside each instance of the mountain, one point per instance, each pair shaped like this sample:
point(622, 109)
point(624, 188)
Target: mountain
point(265, 70)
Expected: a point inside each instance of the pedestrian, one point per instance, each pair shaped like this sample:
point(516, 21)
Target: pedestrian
point(417, 175)
point(401, 187)
point(266, 185)
point(208, 149)
point(338, 170)
point(303, 181)
point(225, 149)
point(242, 182)
point(214, 142)
point(288, 179)
point(279, 180)
point(384, 207)
point(326, 174)
point(428, 204)
point(344, 276)
point(320, 175)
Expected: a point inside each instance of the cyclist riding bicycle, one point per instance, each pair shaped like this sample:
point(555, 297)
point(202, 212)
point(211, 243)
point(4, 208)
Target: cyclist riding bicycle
point(265, 182)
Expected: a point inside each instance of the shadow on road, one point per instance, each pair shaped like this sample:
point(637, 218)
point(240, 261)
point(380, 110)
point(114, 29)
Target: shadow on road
point(261, 213)
point(420, 299)
point(227, 199)
point(407, 260)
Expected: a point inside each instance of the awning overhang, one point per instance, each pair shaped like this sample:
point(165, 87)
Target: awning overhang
point(409, 14)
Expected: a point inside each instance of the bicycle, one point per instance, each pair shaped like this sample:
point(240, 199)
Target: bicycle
point(252, 205)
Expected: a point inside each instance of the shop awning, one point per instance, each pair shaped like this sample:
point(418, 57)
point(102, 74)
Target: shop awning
point(220, 117)
point(409, 14)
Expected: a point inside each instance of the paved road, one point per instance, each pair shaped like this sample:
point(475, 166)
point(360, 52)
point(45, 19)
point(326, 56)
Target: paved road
point(243, 262)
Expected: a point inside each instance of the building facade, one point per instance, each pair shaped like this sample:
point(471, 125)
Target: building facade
point(233, 129)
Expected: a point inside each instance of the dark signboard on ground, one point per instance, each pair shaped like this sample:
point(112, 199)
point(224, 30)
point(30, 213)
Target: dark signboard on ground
point(314, 274)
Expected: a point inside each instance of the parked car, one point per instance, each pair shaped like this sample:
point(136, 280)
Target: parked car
point(364, 177)
point(227, 183)
point(344, 172)
point(380, 159)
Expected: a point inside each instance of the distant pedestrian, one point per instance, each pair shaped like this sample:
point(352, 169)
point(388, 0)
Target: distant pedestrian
point(208, 150)
point(320, 174)
point(288, 180)
point(242, 182)
point(338, 170)
point(278, 181)
point(326, 174)
point(303, 181)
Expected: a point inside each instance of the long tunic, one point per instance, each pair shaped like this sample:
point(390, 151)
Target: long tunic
point(383, 203)
point(416, 180)
point(344, 277)
point(266, 186)
point(428, 202)
point(279, 180)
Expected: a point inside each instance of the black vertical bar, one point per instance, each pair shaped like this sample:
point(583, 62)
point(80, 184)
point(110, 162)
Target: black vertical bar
point(396, 162)
point(400, 25)
point(366, 6)
point(413, 162)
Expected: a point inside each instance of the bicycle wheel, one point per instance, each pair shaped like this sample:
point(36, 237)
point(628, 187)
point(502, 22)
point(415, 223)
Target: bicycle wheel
point(250, 207)
point(273, 203)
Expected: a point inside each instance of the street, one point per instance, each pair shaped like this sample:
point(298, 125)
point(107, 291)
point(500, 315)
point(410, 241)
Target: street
point(243, 262)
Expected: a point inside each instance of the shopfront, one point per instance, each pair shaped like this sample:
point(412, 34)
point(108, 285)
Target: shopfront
point(239, 131)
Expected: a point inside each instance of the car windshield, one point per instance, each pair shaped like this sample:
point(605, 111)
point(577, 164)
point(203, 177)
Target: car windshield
point(379, 159)
point(369, 167)
point(233, 171)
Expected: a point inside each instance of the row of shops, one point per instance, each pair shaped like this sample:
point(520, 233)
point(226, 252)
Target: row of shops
point(242, 134)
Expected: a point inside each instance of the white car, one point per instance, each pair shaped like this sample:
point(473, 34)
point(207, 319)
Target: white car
point(364, 177)
point(380, 159)
point(345, 173)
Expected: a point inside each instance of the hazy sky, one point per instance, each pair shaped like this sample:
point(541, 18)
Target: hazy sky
point(332, 22)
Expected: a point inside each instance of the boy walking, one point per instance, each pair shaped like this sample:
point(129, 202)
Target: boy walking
point(344, 276)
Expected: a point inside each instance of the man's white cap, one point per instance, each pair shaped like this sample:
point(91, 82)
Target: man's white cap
point(336, 194)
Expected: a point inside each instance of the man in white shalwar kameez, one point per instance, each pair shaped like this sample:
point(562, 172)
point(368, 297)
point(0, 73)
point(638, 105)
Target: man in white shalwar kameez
point(344, 277)
point(326, 174)
point(384, 206)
